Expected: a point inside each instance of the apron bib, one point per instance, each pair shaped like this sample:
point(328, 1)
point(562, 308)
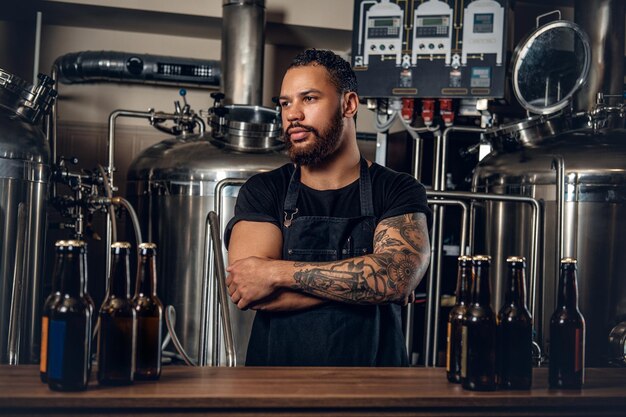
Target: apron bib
point(333, 334)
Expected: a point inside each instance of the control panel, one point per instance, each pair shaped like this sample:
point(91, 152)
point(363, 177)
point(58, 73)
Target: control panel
point(432, 31)
point(430, 48)
point(382, 36)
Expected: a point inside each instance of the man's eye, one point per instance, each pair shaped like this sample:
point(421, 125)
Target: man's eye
point(284, 104)
point(309, 98)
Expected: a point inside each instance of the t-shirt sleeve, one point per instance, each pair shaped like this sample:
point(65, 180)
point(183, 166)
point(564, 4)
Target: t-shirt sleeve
point(403, 195)
point(256, 202)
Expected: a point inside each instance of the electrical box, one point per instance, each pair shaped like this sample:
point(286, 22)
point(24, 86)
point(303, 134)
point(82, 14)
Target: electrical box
point(430, 48)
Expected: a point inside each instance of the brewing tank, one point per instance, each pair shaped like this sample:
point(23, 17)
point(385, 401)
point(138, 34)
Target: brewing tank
point(173, 186)
point(24, 177)
point(594, 219)
point(577, 160)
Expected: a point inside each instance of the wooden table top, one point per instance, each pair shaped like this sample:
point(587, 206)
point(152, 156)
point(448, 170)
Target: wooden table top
point(309, 391)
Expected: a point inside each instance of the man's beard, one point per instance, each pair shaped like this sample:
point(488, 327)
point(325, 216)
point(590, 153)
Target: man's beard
point(323, 145)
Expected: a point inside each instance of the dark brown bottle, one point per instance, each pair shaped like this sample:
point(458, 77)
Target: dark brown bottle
point(455, 319)
point(55, 296)
point(515, 331)
point(149, 311)
point(478, 360)
point(567, 333)
point(118, 324)
point(69, 327)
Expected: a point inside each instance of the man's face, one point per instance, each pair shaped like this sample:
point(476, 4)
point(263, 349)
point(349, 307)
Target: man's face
point(311, 114)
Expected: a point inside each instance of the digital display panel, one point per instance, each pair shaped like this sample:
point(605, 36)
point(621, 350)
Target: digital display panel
point(483, 23)
point(433, 21)
point(383, 22)
point(185, 70)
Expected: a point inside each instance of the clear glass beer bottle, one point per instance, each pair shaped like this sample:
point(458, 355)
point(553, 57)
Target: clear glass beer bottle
point(455, 319)
point(478, 360)
point(69, 328)
point(118, 324)
point(149, 311)
point(567, 333)
point(515, 331)
point(55, 296)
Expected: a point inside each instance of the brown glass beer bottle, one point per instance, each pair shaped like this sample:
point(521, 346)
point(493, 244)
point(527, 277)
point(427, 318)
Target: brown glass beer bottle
point(149, 310)
point(54, 296)
point(478, 360)
point(515, 331)
point(118, 324)
point(69, 327)
point(567, 333)
point(455, 319)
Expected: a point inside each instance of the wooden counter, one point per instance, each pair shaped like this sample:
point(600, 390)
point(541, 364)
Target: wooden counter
point(310, 392)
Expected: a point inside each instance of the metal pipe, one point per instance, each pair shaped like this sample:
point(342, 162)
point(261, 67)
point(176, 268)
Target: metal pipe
point(437, 301)
point(243, 40)
point(603, 21)
point(558, 164)
point(210, 298)
point(111, 168)
point(17, 291)
point(535, 226)
point(213, 219)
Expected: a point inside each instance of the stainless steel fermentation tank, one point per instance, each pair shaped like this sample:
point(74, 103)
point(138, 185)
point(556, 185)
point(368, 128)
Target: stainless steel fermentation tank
point(571, 160)
point(24, 177)
point(174, 182)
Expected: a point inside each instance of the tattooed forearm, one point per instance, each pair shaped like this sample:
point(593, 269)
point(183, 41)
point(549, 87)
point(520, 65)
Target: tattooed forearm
point(358, 284)
point(390, 274)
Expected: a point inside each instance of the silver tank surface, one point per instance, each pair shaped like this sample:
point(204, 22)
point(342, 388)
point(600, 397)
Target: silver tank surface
point(173, 184)
point(24, 176)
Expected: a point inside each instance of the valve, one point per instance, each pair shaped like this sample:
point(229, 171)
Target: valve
point(408, 107)
point(446, 110)
point(428, 111)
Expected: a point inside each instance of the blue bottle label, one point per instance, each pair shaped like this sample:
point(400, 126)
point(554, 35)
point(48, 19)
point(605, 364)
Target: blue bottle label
point(56, 348)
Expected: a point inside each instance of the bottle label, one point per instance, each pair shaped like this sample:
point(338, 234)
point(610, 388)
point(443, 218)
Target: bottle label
point(578, 350)
point(43, 365)
point(464, 352)
point(448, 348)
point(56, 343)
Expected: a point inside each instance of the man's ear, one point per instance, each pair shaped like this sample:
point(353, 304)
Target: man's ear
point(350, 104)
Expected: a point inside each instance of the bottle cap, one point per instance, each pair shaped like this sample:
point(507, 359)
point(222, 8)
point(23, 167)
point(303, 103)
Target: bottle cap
point(147, 245)
point(75, 243)
point(464, 258)
point(60, 243)
point(516, 259)
point(568, 261)
point(120, 245)
point(481, 258)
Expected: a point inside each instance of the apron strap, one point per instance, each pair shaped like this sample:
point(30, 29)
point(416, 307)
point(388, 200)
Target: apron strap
point(365, 189)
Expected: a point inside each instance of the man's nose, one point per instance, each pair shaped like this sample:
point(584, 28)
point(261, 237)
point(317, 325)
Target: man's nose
point(293, 113)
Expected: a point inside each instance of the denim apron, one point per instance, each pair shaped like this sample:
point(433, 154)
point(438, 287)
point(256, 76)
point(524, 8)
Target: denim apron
point(333, 334)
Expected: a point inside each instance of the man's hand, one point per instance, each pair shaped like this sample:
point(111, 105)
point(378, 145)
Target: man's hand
point(250, 280)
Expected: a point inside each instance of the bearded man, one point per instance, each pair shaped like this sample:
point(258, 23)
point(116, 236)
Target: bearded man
point(328, 248)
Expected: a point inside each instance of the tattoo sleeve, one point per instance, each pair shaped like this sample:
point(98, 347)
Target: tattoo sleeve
point(401, 256)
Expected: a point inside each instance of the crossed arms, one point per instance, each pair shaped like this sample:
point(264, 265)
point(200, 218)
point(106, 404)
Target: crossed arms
point(259, 280)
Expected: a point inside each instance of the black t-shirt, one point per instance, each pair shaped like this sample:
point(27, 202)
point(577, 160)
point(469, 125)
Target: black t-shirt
point(262, 197)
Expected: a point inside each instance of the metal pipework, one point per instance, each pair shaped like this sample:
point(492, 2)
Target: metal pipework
point(462, 250)
point(439, 184)
point(210, 288)
point(243, 39)
point(536, 209)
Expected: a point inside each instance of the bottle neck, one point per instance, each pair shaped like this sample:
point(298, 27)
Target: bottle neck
point(463, 283)
point(481, 291)
point(58, 269)
point(72, 274)
point(568, 287)
point(120, 274)
point(146, 280)
point(516, 292)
